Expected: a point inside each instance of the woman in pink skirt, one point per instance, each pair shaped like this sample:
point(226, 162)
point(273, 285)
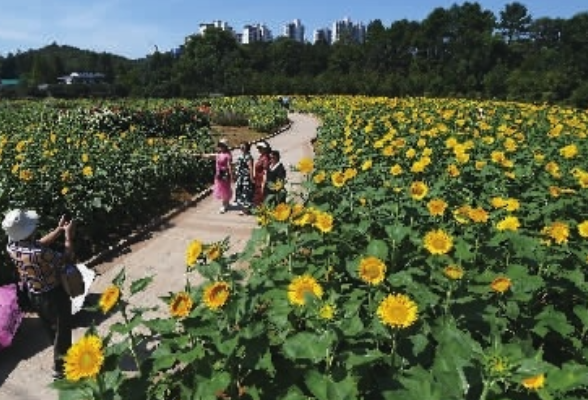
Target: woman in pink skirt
point(223, 176)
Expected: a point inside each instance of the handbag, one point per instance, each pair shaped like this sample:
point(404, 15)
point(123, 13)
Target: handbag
point(72, 280)
point(10, 314)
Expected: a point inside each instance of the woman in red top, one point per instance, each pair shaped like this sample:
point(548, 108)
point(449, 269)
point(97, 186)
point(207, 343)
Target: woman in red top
point(261, 166)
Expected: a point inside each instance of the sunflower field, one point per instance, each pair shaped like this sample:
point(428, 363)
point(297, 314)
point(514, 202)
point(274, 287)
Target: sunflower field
point(438, 252)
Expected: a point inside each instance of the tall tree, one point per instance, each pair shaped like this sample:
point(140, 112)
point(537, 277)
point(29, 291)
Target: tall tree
point(515, 22)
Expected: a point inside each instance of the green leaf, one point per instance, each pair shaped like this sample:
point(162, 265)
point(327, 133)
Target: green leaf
point(294, 393)
point(582, 313)
point(119, 279)
point(307, 346)
point(161, 326)
point(352, 325)
point(209, 388)
point(397, 232)
point(324, 388)
point(164, 362)
point(569, 377)
point(140, 284)
point(463, 250)
point(419, 343)
point(377, 248)
point(551, 320)
point(97, 202)
point(361, 356)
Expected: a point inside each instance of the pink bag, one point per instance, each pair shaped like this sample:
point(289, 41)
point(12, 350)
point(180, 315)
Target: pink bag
point(10, 315)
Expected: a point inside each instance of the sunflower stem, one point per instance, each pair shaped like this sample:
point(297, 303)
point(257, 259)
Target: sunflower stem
point(133, 341)
point(394, 344)
point(101, 389)
point(486, 389)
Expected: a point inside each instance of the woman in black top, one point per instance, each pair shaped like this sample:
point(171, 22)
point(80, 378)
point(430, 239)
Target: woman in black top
point(244, 181)
point(275, 179)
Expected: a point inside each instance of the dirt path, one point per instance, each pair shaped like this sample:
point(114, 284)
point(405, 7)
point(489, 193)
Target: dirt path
point(25, 368)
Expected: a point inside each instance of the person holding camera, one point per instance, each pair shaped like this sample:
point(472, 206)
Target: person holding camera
point(39, 269)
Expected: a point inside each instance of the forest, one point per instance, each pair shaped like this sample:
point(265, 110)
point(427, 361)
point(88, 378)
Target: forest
point(460, 51)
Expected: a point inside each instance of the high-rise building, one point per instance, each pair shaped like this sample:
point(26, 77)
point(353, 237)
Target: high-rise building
point(346, 27)
point(256, 33)
point(294, 30)
point(216, 24)
point(322, 35)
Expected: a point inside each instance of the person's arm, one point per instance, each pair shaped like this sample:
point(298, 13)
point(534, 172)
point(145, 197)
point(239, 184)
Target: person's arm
point(251, 169)
point(55, 233)
point(69, 252)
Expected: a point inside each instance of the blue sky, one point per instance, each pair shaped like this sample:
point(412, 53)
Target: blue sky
point(133, 28)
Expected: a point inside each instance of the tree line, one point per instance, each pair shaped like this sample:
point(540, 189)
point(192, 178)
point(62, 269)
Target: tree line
point(464, 50)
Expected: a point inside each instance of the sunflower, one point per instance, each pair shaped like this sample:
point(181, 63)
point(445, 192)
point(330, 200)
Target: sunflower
point(338, 179)
point(302, 286)
point(367, 164)
point(583, 229)
point(307, 218)
point(453, 272)
point(534, 382)
point(512, 204)
point(569, 151)
point(84, 359)
point(558, 231)
point(282, 212)
point(319, 177)
point(372, 270)
point(323, 222)
point(436, 207)
point(277, 185)
point(216, 294)
point(509, 223)
point(214, 251)
point(87, 171)
point(498, 202)
point(398, 311)
point(109, 298)
point(438, 242)
point(396, 170)
point(327, 312)
point(181, 305)
point(453, 171)
point(305, 165)
point(193, 253)
point(501, 284)
point(418, 190)
point(478, 215)
point(350, 173)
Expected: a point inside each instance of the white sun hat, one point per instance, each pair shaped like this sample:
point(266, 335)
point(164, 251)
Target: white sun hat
point(19, 224)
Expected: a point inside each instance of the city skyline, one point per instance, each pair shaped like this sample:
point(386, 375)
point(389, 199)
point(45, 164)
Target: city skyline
point(133, 30)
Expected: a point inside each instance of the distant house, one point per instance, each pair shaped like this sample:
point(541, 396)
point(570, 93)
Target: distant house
point(9, 82)
point(82, 77)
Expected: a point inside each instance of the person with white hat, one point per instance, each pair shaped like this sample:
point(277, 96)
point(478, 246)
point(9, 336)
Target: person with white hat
point(39, 270)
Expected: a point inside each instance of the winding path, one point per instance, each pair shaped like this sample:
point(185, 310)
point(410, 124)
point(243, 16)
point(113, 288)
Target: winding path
point(25, 368)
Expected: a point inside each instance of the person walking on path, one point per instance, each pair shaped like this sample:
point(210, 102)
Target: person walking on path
point(261, 166)
point(223, 176)
point(275, 180)
point(244, 179)
point(39, 268)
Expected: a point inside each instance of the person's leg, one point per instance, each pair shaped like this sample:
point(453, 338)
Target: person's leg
point(63, 337)
point(54, 310)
